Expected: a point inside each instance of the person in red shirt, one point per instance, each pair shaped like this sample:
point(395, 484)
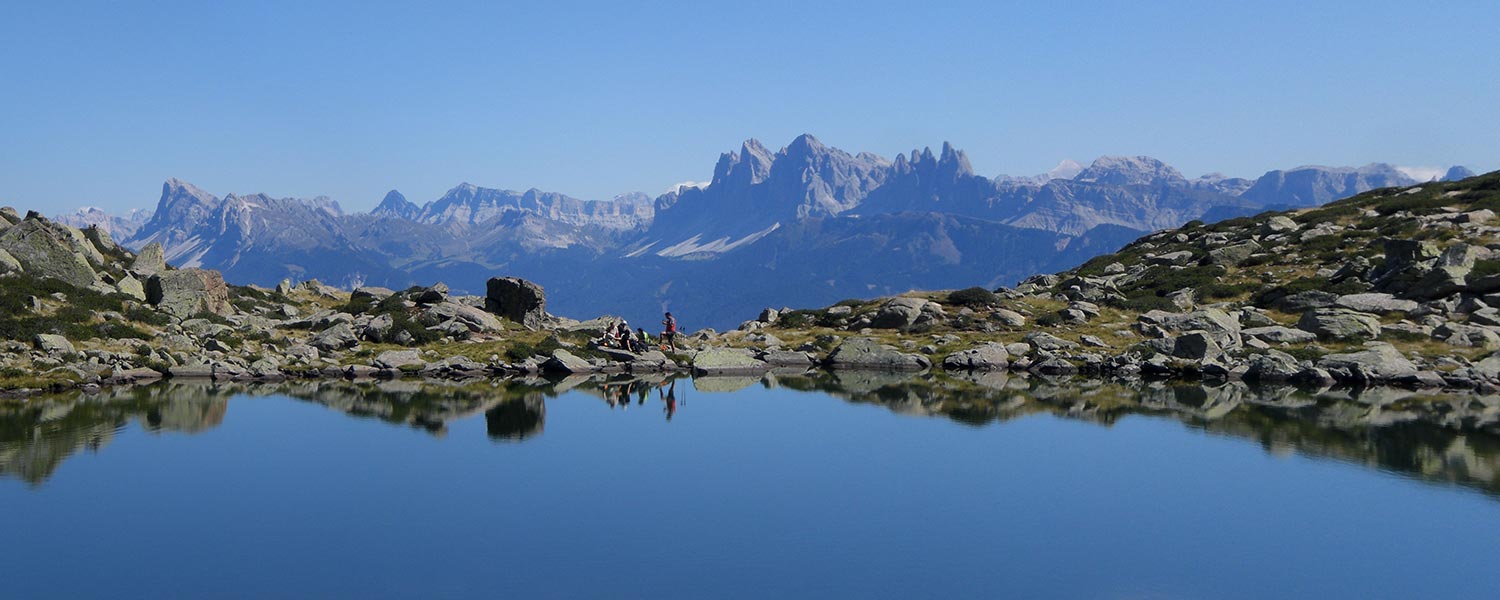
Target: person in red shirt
point(669, 335)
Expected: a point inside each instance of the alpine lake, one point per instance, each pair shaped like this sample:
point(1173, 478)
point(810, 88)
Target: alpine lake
point(799, 484)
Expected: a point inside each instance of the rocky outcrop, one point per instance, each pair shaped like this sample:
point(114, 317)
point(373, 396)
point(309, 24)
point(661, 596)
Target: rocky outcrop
point(187, 292)
point(44, 250)
point(521, 301)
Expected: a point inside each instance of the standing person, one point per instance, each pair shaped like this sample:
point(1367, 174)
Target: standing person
point(669, 334)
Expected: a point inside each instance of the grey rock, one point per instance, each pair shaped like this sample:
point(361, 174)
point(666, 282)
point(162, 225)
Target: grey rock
point(52, 344)
point(130, 286)
point(337, 337)
point(396, 359)
point(45, 251)
point(563, 361)
point(1009, 317)
point(1279, 334)
point(9, 264)
point(516, 299)
point(1467, 336)
point(727, 360)
point(898, 313)
point(1339, 324)
point(989, 356)
point(1234, 254)
point(430, 295)
point(1278, 224)
point(787, 358)
point(866, 353)
point(1042, 340)
point(1375, 363)
point(375, 294)
point(1375, 303)
point(186, 292)
point(1196, 345)
point(1308, 300)
point(379, 328)
point(150, 261)
point(1274, 365)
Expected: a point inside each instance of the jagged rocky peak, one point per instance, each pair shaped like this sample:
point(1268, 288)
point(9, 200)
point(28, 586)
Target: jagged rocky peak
point(751, 165)
point(395, 205)
point(954, 162)
point(1130, 170)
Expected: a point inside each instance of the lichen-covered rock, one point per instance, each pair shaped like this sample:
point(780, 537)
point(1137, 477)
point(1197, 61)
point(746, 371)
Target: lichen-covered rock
point(989, 356)
point(1278, 334)
point(1375, 363)
point(52, 344)
point(130, 286)
point(563, 361)
point(1339, 324)
point(45, 251)
point(1375, 303)
point(1274, 365)
point(338, 337)
point(898, 313)
point(516, 299)
point(866, 353)
point(396, 359)
point(150, 261)
point(727, 360)
point(186, 292)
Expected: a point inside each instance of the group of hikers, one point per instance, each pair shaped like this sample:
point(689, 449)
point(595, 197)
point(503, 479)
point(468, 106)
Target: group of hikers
point(620, 336)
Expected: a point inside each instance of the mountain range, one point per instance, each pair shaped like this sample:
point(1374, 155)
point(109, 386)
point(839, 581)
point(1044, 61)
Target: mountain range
point(805, 225)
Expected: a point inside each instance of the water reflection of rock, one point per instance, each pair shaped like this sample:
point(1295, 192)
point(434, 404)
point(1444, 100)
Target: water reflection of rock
point(1433, 437)
point(36, 436)
point(1421, 434)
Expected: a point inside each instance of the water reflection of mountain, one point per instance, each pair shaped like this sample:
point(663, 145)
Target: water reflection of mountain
point(1418, 434)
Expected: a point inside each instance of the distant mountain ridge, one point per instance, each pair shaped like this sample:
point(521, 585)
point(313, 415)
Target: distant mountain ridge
point(805, 224)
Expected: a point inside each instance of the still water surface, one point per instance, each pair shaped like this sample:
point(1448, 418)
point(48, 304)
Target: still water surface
point(807, 487)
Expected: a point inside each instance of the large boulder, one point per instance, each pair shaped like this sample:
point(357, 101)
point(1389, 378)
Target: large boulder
point(475, 320)
point(52, 344)
point(1274, 365)
point(1339, 324)
point(727, 360)
point(151, 260)
point(1375, 303)
point(100, 239)
point(1234, 254)
point(866, 353)
point(337, 337)
point(1196, 345)
point(130, 286)
point(396, 359)
point(1375, 363)
point(989, 356)
point(46, 251)
point(566, 362)
point(898, 313)
point(1277, 334)
point(1217, 324)
point(187, 292)
point(516, 299)
point(1467, 336)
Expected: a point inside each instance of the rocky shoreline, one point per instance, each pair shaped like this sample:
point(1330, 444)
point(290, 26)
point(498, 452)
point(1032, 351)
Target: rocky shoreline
point(1394, 287)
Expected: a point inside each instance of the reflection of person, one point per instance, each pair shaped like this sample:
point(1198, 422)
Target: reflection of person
point(669, 398)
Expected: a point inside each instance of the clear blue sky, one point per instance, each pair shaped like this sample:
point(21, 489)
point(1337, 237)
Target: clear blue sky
point(101, 101)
